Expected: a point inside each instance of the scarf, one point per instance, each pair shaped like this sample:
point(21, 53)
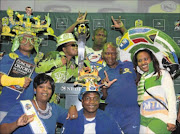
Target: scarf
point(141, 84)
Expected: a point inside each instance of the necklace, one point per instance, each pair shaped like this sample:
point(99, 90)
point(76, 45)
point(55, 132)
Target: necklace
point(44, 114)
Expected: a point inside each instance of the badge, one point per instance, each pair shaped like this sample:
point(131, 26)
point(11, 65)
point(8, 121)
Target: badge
point(121, 71)
point(13, 55)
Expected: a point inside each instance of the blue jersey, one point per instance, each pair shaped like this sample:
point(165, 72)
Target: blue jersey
point(59, 115)
point(122, 96)
point(104, 124)
point(8, 97)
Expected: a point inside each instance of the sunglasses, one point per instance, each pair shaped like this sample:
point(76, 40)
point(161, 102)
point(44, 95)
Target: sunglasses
point(73, 45)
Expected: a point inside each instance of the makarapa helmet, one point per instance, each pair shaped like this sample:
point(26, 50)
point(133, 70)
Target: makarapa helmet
point(91, 89)
point(65, 38)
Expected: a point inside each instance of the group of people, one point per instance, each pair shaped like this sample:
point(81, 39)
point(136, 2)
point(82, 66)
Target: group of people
point(136, 103)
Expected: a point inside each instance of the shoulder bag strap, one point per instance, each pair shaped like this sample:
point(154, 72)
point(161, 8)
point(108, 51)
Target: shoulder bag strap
point(155, 98)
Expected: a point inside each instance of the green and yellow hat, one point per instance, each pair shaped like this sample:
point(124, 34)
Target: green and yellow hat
point(65, 38)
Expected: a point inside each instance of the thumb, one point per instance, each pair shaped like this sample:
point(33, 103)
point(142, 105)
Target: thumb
point(68, 116)
point(113, 81)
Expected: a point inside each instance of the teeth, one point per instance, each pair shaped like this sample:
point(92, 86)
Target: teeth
point(144, 66)
point(45, 94)
point(91, 106)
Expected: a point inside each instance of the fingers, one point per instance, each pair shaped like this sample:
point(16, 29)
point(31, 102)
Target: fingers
point(28, 79)
point(112, 25)
point(85, 14)
point(113, 81)
point(119, 18)
point(113, 21)
point(106, 82)
point(25, 119)
point(30, 118)
point(27, 82)
point(87, 69)
point(106, 76)
point(72, 113)
point(112, 18)
point(68, 116)
point(71, 116)
point(171, 127)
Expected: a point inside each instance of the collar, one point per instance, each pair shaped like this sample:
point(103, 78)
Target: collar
point(21, 55)
point(120, 63)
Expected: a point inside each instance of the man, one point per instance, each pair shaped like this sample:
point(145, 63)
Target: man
point(8, 96)
point(28, 13)
point(90, 119)
point(60, 65)
point(93, 55)
point(120, 91)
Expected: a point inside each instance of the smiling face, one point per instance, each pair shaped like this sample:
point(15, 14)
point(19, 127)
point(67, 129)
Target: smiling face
point(43, 92)
point(110, 55)
point(90, 103)
point(28, 11)
point(143, 60)
point(26, 43)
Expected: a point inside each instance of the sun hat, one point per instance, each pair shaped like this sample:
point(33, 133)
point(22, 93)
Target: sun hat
point(65, 38)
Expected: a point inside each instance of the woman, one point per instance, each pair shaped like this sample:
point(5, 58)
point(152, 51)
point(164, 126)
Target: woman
point(155, 85)
point(36, 116)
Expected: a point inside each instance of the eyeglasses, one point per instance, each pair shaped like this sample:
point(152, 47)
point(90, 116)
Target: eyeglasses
point(25, 40)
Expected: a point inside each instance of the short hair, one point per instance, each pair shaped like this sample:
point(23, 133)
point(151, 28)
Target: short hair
point(100, 29)
point(60, 48)
point(28, 7)
point(107, 44)
point(43, 78)
point(87, 92)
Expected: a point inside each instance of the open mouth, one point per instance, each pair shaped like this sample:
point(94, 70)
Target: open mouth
point(144, 66)
point(44, 94)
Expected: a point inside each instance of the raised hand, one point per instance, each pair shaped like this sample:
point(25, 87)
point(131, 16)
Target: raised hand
point(27, 81)
point(107, 83)
point(117, 23)
point(81, 18)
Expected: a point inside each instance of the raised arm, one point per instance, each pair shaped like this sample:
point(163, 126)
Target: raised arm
point(118, 25)
point(107, 83)
point(81, 19)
